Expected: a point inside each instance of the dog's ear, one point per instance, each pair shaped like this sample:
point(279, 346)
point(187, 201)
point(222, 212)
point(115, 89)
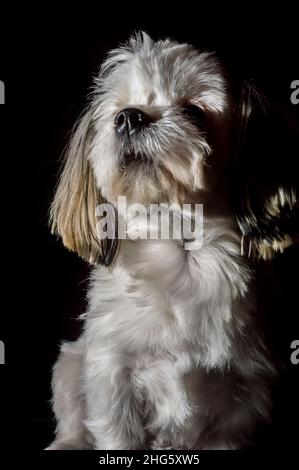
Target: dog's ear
point(265, 175)
point(73, 210)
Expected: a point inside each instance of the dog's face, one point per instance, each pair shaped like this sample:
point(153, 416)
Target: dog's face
point(153, 109)
point(162, 126)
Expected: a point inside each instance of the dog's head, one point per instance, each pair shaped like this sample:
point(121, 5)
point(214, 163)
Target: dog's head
point(151, 106)
point(161, 126)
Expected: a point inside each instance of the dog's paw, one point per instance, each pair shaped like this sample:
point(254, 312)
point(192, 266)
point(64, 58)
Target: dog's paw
point(161, 444)
point(70, 444)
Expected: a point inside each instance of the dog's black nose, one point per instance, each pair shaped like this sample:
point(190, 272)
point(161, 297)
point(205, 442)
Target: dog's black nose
point(130, 120)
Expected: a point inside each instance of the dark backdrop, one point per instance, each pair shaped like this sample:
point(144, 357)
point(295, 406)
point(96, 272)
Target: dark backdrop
point(47, 69)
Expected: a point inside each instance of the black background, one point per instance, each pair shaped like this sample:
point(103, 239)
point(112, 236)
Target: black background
point(47, 63)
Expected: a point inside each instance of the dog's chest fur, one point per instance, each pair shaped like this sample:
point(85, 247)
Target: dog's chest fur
point(166, 317)
point(162, 300)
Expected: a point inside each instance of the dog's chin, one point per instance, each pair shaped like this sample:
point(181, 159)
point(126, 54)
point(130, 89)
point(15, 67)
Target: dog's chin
point(138, 182)
point(143, 181)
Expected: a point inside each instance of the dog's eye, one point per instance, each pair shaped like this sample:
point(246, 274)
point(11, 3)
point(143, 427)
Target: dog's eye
point(195, 113)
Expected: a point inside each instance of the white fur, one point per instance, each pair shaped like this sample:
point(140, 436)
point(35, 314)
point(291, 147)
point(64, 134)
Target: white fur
point(171, 354)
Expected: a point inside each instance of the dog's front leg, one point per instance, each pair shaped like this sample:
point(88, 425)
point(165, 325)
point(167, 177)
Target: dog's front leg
point(68, 399)
point(113, 407)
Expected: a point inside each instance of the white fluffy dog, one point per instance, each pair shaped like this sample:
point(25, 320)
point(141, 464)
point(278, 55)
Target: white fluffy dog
point(171, 355)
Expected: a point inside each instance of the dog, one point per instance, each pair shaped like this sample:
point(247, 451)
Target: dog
point(172, 354)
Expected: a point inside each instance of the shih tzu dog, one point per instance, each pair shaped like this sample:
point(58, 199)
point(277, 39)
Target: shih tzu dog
point(172, 354)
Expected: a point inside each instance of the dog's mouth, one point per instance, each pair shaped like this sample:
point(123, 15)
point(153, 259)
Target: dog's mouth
point(131, 153)
point(130, 159)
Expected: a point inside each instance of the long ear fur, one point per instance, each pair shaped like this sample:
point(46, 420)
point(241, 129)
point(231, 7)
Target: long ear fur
point(266, 176)
point(73, 210)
